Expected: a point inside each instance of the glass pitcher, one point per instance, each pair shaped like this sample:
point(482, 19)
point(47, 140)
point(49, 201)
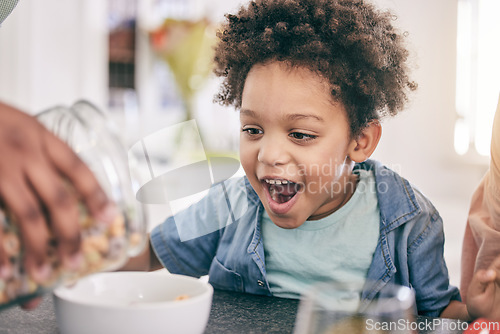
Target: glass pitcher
point(105, 246)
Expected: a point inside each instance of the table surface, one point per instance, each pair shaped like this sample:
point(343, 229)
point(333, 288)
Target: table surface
point(231, 313)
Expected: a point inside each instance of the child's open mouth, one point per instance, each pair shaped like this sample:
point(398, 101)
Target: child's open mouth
point(281, 194)
point(281, 191)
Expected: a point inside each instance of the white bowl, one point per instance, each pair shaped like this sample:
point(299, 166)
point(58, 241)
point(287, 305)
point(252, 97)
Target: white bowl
point(133, 302)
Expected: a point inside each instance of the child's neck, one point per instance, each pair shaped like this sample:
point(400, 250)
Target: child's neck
point(353, 180)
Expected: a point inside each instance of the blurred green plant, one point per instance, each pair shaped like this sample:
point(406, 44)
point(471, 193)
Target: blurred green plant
point(188, 49)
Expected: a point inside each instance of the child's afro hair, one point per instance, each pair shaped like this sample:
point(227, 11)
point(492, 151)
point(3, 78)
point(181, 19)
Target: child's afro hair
point(350, 43)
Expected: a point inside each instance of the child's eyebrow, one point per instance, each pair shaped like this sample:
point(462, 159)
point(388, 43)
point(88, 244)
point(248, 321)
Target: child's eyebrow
point(294, 117)
point(248, 112)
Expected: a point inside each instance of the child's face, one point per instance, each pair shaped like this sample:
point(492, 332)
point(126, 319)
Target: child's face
point(295, 136)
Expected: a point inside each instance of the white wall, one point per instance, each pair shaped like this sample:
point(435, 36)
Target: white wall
point(54, 52)
point(420, 140)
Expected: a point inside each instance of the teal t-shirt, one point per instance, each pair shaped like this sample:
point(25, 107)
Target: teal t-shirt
point(338, 247)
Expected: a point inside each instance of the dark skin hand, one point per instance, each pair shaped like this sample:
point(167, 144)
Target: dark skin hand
point(34, 171)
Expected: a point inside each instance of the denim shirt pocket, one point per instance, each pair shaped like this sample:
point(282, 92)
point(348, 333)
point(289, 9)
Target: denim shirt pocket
point(223, 278)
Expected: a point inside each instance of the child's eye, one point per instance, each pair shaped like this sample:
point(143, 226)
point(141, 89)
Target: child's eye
point(252, 131)
point(302, 136)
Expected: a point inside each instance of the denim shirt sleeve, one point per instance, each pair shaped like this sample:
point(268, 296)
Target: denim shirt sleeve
point(427, 269)
point(411, 248)
point(187, 242)
point(192, 258)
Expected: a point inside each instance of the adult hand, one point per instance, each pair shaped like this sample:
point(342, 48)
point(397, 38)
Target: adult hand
point(35, 167)
point(483, 297)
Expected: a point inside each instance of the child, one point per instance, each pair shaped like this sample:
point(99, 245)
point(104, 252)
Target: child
point(311, 79)
point(482, 234)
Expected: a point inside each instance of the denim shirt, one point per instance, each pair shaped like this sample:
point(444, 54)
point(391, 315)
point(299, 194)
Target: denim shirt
point(220, 236)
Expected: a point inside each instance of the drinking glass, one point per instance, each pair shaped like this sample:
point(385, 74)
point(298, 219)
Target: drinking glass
point(341, 307)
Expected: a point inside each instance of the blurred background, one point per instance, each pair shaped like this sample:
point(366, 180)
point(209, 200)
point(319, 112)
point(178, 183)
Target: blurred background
point(147, 63)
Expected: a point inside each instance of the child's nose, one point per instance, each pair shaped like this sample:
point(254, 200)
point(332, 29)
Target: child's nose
point(273, 153)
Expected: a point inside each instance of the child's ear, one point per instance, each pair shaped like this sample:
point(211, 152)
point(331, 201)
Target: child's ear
point(366, 142)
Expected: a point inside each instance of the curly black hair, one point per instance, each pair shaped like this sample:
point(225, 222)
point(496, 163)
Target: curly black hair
point(348, 42)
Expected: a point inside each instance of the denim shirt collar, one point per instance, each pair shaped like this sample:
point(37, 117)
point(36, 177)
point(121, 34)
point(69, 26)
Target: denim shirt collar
point(397, 201)
point(396, 198)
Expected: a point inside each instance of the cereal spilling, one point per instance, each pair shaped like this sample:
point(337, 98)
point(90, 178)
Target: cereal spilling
point(104, 247)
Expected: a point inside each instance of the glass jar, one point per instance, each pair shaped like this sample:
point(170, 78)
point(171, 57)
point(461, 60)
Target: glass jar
point(105, 246)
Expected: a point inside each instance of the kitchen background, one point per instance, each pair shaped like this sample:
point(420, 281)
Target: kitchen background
point(129, 57)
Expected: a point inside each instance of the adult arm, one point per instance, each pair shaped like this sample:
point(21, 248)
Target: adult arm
point(481, 243)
